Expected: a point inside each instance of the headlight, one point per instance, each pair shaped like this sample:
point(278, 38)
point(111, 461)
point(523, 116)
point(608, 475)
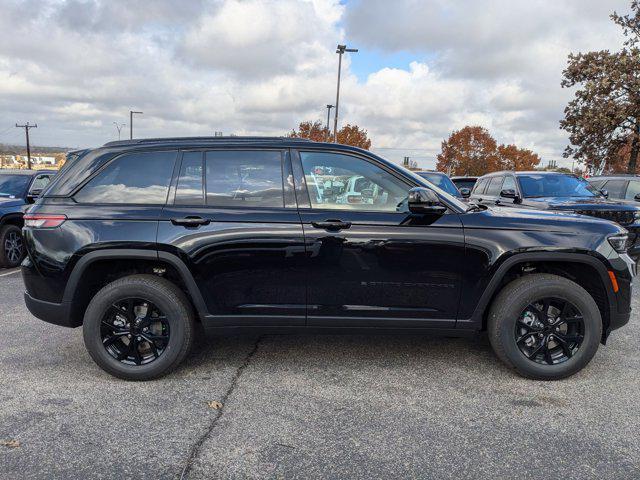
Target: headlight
point(619, 242)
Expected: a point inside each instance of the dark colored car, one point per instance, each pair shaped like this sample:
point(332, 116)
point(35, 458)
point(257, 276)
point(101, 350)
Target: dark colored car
point(142, 241)
point(464, 182)
point(559, 192)
point(442, 181)
point(620, 187)
point(18, 188)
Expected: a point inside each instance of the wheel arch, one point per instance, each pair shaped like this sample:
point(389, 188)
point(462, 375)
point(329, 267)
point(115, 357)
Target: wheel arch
point(12, 219)
point(95, 269)
point(568, 265)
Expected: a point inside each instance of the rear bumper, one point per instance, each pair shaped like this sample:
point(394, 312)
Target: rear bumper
point(56, 313)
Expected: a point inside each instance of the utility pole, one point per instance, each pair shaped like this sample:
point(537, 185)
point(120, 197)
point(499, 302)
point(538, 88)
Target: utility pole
point(329, 107)
point(26, 131)
point(131, 112)
point(340, 51)
point(119, 127)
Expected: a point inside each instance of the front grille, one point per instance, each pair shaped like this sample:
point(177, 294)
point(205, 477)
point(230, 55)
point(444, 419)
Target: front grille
point(619, 216)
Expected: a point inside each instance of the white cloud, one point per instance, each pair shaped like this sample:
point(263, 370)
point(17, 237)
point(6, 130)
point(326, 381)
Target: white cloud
point(260, 67)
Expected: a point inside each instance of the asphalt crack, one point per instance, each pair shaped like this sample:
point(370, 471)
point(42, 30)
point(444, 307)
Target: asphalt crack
point(195, 449)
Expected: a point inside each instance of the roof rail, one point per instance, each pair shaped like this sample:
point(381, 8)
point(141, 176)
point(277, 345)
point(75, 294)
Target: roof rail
point(234, 139)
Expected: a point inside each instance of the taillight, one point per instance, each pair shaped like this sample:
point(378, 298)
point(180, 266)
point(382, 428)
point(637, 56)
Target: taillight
point(43, 220)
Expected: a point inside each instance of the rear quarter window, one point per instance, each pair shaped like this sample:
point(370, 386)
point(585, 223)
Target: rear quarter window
point(133, 178)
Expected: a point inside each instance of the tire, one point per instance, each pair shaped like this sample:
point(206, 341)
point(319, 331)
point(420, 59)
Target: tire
point(162, 294)
point(11, 246)
point(509, 307)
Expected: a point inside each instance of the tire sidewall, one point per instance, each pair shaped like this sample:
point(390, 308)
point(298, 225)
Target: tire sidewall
point(592, 330)
point(176, 316)
point(4, 232)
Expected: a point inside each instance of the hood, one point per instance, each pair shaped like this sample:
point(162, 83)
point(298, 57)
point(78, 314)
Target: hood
point(587, 203)
point(508, 218)
point(6, 202)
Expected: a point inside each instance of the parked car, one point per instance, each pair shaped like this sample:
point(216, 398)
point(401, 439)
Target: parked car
point(443, 181)
point(18, 188)
point(464, 182)
point(139, 241)
point(562, 192)
point(620, 187)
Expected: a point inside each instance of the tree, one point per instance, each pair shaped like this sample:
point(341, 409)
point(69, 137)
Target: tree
point(510, 157)
point(604, 115)
point(469, 151)
point(347, 135)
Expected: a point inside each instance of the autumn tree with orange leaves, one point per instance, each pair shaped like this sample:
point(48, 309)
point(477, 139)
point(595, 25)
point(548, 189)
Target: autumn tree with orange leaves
point(347, 135)
point(473, 151)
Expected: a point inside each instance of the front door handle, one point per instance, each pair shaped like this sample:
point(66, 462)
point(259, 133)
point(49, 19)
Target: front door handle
point(191, 221)
point(332, 225)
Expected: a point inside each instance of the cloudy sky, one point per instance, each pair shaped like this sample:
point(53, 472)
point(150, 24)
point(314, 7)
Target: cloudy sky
point(425, 67)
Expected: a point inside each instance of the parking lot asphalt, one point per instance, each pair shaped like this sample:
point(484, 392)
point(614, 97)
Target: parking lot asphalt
point(311, 406)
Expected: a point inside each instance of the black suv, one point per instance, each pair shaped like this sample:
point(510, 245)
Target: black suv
point(18, 188)
point(143, 241)
point(561, 192)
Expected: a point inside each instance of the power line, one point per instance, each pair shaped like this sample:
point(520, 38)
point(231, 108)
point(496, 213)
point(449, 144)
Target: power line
point(26, 131)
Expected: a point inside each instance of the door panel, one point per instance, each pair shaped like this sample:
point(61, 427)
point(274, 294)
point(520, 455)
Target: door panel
point(248, 260)
point(371, 262)
point(385, 269)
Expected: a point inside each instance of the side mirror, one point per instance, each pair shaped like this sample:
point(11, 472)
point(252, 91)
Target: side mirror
point(422, 200)
point(637, 197)
point(33, 194)
point(604, 193)
point(465, 192)
point(509, 193)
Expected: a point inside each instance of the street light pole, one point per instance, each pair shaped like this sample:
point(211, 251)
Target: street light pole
point(340, 50)
point(119, 127)
point(329, 107)
point(131, 112)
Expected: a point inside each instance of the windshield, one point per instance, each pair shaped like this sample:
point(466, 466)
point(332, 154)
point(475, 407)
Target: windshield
point(555, 185)
point(442, 181)
point(13, 185)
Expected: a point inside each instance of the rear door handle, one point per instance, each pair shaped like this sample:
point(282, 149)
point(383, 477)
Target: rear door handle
point(332, 225)
point(190, 221)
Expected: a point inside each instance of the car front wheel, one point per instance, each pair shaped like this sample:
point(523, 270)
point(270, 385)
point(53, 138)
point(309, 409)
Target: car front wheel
point(139, 327)
point(544, 326)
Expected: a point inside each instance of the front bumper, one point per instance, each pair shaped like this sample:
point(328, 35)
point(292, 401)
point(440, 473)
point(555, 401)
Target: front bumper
point(56, 313)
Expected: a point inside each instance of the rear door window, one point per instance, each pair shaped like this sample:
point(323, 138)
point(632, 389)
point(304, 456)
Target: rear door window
point(480, 186)
point(244, 178)
point(615, 188)
point(632, 190)
point(493, 190)
point(133, 178)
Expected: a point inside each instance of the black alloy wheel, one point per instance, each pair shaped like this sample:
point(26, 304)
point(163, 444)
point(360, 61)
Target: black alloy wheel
point(550, 331)
point(13, 248)
point(134, 331)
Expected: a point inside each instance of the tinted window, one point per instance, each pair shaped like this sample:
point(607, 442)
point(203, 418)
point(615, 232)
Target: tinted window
point(40, 182)
point(131, 178)
point(555, 185)
point(615, 188)
point(442, 181)
point(13, 185)
point(494, 186)
point(464, 183)
point(344, 182)
point(632, 190)
point(189, 190)
point(244, 178)
point(597, 183)
point(509, 183)
point(480, 185)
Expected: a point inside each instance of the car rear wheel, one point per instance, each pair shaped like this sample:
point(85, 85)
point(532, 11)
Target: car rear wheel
point(11, 246)
point(546, 327)
point(139, 327)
